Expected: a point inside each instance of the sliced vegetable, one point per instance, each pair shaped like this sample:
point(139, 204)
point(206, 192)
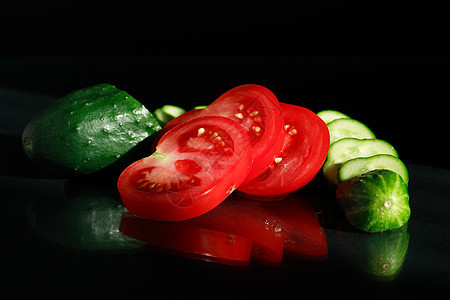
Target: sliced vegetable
point(375, 201)
point(167, 113)
point(330, 115)
point(255, 108)
point(348, 128)
point(196, 166)
point(305, 148)
point(349, 148)
point(87, 130)
point(361, 165)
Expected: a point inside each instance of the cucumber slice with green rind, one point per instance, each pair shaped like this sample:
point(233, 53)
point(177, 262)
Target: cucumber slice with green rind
point(375, 201)
point(330, 115)
point(358, 166)
point(348, 128)
point(173, 110)
point(168, 112)
point(349, 148)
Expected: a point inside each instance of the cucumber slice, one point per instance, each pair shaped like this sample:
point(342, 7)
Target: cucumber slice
point(168, 112)
point(358, 166)
point(375, 201)
point(161, 117)
point(330, 115)
point(348, 128)
point(173, 110)
point(349, 148)
point(201, 106)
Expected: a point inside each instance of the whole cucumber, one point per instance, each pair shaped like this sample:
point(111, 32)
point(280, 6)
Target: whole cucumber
point(87, 130)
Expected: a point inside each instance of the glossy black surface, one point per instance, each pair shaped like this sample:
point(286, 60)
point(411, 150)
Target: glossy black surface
point(63, 235)
point(384, 65)
point(55, 232)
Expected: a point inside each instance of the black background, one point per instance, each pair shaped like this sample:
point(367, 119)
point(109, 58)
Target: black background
point(385, 65)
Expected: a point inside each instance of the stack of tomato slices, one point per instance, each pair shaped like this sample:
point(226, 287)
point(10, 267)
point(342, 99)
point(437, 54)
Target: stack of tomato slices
point(244, 140)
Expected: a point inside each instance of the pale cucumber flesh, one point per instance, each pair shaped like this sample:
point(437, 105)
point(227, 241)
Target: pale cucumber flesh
point(358, 166)
point(348, 128)
point(349, 148)
point(330, 115)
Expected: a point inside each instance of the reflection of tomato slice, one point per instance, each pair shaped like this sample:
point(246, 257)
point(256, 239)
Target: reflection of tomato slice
point(303, 234)
point(238, 227)
point(196, 166)
point(189, 238)
point(255, 108)
point(238, 216)
point(305, 148)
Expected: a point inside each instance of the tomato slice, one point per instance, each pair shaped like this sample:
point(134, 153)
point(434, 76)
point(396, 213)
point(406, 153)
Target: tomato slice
point(196, 166)
point(257, 109)
point(306, 143)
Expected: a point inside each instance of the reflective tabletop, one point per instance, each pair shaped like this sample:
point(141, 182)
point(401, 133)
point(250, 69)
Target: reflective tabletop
point(75, 235)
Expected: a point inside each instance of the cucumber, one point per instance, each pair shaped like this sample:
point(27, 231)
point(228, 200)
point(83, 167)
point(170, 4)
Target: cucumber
point(201, 106)
point(168, 112)
point(361, 165)
point(375, 201)
point(349, 148)
point(330, 115)
point(348, 128)
point(87, 130)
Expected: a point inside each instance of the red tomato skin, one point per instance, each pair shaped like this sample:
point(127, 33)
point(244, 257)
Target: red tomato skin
point(257, 109)
point(169, 206)
point(303, 154)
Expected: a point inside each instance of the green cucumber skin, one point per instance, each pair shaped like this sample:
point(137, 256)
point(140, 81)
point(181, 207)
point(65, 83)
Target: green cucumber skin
point(87, 130)
point(358, 166)
point(376, 201)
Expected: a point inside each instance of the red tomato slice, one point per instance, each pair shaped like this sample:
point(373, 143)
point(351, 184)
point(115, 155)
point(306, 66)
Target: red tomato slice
point(189, 115)
point(257, 109)
point(305, 148)
point(196, 166)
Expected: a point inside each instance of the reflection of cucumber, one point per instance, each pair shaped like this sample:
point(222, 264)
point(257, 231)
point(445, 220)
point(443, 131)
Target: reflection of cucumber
point(349, 148)
point(330, 115)
point(361, 165)
point(380, 255)
point(88, 218)
point(375, 201)
point(348, 128)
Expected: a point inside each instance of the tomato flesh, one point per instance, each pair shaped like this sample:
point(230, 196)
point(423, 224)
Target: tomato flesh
point(306, 143)
point(196, 166)
point(256, 109)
